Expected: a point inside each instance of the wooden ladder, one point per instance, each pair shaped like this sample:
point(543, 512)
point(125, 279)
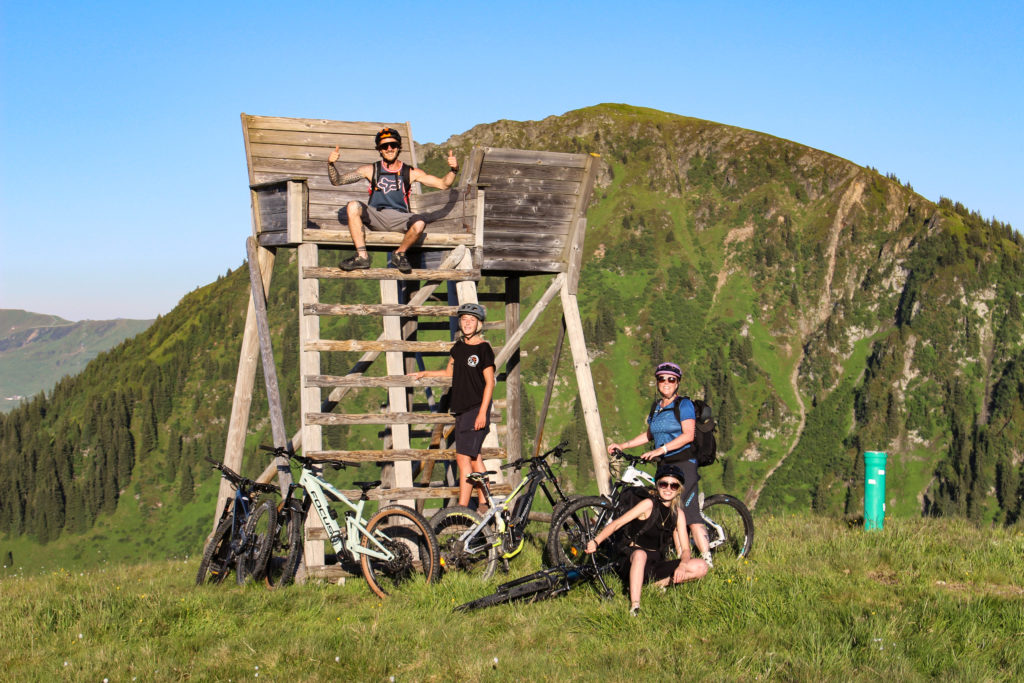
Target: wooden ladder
point(398, 456)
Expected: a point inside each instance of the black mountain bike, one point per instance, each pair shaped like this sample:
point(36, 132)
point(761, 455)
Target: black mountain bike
point(286, 546)
point(474, 544)
point(244, 533)
point(546, 583)
point(728, 521)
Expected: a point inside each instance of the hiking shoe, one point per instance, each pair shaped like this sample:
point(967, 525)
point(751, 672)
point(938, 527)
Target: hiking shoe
point(356, 262)
point(707, 558)
point(400, 261)
point(634, 611)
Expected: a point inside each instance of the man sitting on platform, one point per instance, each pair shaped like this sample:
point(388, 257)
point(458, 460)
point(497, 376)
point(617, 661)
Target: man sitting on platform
point(388, 206)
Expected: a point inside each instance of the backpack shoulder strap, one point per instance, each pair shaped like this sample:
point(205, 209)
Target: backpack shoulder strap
point(650, 415)
point(406, 181)
point(375, 178)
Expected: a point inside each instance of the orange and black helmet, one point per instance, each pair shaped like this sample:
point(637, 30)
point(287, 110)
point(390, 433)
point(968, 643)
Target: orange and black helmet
point(387, 133)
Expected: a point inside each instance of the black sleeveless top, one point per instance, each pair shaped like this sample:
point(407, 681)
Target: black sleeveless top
point(654, 532)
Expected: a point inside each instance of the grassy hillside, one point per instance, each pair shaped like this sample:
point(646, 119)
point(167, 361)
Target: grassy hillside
point(36, 350)
point(823, 309)
point(920, 600)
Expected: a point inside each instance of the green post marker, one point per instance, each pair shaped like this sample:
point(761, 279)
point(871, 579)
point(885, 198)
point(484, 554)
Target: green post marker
point(874, 489)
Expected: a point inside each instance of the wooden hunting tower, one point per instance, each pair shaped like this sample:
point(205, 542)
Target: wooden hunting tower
point(513, 213)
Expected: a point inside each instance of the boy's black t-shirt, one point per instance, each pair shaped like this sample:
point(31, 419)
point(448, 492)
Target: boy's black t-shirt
point(468, 374)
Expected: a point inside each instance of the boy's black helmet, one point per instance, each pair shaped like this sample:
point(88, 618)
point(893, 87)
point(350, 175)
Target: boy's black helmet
point(670, 471)
point(387, 133)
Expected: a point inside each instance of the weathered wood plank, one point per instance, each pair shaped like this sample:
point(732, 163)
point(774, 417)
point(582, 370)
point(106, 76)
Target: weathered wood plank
point(417, 493)
point(309, 138)
point(424, 454)
point(540, 225)
point(303, 153)
point(327, 273)
point(335, 419)
point(525, 156)
point(368, 128)
point(368, 382)
point(534, 211)
point(388, 239)
point(381, 309)
point(496, 183)
point(504, 265)
point(496, 198)
point(379, 346)
point(492, 172)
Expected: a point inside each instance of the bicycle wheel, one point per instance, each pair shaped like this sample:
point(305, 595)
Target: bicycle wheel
point(578, 523)
point(408, 536)
point(286, 552)
point(259, 532)
point(730, 526)
point(217, 560)
point(449, 524)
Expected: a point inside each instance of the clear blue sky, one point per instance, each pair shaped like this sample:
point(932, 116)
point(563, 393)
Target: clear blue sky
point(122, 171)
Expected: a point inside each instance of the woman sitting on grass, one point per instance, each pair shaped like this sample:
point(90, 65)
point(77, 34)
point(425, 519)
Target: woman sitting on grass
point(648, 525)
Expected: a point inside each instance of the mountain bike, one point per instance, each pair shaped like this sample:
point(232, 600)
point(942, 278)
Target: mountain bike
point(286, 546)
point(393, 547)
point(243, 536)
point(474, 544)
point(544, 584)
point(729, 524)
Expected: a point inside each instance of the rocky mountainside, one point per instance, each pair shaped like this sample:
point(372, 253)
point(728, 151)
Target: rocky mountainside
point(822, 308)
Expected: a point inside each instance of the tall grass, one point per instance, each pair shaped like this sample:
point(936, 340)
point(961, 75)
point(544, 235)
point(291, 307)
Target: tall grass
point(816, 601)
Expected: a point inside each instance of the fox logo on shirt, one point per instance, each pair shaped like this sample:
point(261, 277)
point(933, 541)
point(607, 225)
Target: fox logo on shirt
point(387, 184)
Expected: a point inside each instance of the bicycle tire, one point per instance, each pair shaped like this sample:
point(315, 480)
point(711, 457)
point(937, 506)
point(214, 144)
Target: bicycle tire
point(408, 535)
point(286, 553)
point(448, 525)
point(258, 532)
point(729, 514)
point(216, 562)
point(580, 520)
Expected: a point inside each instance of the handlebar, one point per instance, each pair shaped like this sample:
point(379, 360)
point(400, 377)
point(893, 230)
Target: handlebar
point(558, 451)
point(631, 459)
point(302, 460)
point(240, 482)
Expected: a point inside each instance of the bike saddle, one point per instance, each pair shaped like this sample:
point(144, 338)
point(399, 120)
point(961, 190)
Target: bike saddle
point(366, 485)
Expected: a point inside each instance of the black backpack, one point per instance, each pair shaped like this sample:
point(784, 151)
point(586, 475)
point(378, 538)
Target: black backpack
point(705, 446)
point(628, 499)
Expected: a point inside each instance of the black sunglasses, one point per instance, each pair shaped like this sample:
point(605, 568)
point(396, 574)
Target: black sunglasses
point(389, 145)
point(670, 485)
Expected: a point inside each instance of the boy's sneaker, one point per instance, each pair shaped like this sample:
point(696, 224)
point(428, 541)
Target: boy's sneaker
point(356, 262)
point(400, 261)
point(707, 558)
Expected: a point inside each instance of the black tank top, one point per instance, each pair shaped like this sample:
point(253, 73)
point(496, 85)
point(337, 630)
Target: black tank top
point(653, 536)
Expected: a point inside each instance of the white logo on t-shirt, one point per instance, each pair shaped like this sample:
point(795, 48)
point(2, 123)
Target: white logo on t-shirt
point(473, 360)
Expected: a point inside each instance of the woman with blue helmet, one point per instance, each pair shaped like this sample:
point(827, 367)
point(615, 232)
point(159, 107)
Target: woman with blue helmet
point(670, 428)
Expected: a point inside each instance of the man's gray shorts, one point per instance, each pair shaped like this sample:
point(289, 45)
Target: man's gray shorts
point(387, 220)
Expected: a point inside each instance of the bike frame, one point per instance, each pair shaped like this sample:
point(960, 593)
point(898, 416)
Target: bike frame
point(498, 504)
point(321, 493)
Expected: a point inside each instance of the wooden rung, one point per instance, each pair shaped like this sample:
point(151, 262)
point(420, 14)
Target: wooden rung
point(415, 493)
point(379, 345)
point(400, 454)
point(379, 309)
point(327, 273)
point(327, 572)
point(334, 419)
point(368, 382)
point(390, 239)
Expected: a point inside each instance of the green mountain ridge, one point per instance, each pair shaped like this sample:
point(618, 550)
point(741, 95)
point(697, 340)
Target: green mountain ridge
point(822, 308)
point(37, 349)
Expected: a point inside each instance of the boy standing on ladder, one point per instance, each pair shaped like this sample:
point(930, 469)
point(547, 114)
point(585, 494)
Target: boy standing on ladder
point(388, 205)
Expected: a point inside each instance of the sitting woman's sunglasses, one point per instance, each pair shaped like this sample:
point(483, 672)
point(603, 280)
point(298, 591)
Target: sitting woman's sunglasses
point(670, 485)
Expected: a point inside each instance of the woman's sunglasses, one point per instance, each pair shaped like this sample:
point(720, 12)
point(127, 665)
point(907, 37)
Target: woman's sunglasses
point(670, 485)
point(669, 379)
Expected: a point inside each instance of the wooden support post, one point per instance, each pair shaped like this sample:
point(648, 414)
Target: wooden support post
point(588, 397)
point(513, 377)
point(309, 396)
point(552, 374)
point(398, 397)
point(244, 381)
point(258, 295)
